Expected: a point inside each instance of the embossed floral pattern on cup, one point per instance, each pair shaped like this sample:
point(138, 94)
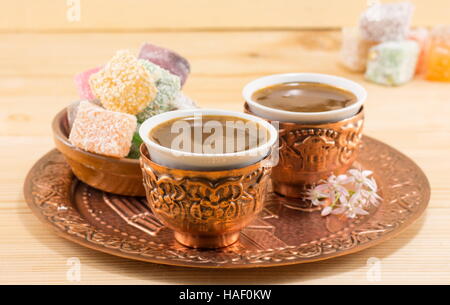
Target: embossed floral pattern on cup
point(206, 209)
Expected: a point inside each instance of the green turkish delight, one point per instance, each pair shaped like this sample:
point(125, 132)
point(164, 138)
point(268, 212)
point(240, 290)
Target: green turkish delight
point(392, 63)
point(168, 86)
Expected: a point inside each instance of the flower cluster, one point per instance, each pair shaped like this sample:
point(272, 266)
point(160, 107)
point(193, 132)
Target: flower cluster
point(350, 194)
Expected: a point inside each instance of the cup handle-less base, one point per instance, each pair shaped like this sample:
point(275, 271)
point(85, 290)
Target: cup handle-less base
point(206, 241)
point(291, 190)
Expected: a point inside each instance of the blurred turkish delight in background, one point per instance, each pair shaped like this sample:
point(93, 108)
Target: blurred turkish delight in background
point(354, 49)
point(389, 52)
point(438, 55)
point(392, 62)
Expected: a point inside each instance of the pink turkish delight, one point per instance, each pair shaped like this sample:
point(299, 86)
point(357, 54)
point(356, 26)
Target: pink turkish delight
point(167, 59)
point(82, 84)
point(387, 21)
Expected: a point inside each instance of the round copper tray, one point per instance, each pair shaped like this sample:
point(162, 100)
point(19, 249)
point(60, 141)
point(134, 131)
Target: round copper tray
point(287, 232)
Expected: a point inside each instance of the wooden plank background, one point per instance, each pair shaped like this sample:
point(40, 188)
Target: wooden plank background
point(228, 44)
point(138, 15)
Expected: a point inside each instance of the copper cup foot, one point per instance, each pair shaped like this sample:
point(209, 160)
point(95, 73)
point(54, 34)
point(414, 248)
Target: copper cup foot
point(291, 190)
point(206, 241)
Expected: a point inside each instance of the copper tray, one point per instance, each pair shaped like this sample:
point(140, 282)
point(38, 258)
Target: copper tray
point(287, 232)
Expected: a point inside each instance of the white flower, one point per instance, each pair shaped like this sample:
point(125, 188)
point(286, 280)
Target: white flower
point(326, 210)
point(347, 194)
point(361, 177)
point(318, 194)
point(352, 212)
point(371, 196)
point(336, 187)
point(373, 185)
point(339, 181)
point(339, 210)
point(344, 179)
point(352, 207)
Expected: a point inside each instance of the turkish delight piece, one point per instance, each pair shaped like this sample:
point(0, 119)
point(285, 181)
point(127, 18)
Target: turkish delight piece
point(392, 63)
point(124, 84)
point(72, 110)
point(101, 131)
point(82, 84)
point(387, 21)
point(438, 55)
point(168, 86)
point(166, 59)
point(182, 101)
point(421, 36)
point(354, 49)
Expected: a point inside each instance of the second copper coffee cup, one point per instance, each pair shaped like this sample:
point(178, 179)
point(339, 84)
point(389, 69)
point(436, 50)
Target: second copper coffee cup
point(312, 145)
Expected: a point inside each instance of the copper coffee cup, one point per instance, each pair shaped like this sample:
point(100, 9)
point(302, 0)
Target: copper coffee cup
point(205, 209)
point(309, 153)
point(312, 146)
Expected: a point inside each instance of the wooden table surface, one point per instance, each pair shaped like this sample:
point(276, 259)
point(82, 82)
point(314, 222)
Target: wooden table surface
point(36, 81)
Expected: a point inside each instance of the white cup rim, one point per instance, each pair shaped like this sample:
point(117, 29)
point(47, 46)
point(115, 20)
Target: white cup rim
point(154, 121)
point(337, 81)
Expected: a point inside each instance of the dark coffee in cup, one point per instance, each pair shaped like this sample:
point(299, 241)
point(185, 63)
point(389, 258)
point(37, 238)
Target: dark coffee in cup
point(304, 97)
point(209, 134)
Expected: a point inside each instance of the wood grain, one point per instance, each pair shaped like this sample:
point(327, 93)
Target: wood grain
point(36, 72)
point(138, 15)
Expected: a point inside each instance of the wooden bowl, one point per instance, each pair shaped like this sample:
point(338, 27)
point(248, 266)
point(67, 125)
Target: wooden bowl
point(119, 176)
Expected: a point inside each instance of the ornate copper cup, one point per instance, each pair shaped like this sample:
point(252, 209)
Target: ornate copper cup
point(206, 209)
point(311, 152)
